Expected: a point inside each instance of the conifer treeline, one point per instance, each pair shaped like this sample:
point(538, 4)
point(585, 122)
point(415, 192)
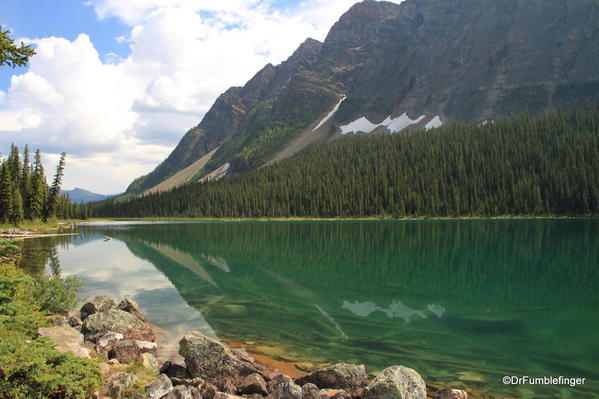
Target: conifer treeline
point(544, 165)
point(24, 192)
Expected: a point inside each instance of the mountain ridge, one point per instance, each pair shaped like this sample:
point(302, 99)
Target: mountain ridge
point(449, 60)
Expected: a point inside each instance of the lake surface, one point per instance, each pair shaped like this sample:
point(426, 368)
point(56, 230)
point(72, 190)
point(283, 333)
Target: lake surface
point(462, 302)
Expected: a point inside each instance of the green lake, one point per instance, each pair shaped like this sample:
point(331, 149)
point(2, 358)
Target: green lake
point(462, 302)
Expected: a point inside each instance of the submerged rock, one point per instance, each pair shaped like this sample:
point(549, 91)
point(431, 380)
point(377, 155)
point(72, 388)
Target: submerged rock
point(338, 376)
point(211, 360)
point(447, 393)
point(130, 306)
point(118, 321)
point(159, 388)
point(67, 339)
point(396, 382)
point(101, 303)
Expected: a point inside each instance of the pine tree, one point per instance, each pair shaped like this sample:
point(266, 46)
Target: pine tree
point(38, 191)
point(54, 195)
point(26, 181)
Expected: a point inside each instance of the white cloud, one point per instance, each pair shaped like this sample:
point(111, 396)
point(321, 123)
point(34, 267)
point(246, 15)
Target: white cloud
point(119, 117)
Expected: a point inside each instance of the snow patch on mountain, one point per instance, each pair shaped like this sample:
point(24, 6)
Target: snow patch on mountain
point(394, 125)
point(434, 123)
point(329, 115)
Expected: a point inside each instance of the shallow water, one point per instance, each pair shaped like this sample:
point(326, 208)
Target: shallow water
point(462, 302)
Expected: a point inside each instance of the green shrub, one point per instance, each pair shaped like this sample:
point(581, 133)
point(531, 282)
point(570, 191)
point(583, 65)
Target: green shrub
point(30, 368)
point(54, 294)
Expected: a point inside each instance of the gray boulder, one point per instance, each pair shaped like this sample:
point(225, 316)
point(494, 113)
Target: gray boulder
point(101, 303)
point(211, 360)
point(184, 392)
point(106, 343)
point(288, 390)
point(159, 388)
point(310, 391)
point(120, 385)
point(130, 350)
point(67, 339)
point(118, 321)
point(338, 376)
point(252, 384)
point(130, 306)
point(396, 382)
point(222, 395)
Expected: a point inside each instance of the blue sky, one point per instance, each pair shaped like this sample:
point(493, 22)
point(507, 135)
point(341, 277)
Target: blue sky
point(116, 83)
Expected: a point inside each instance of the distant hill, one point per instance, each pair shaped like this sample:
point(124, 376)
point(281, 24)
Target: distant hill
point(80, 195)
point(390, 67)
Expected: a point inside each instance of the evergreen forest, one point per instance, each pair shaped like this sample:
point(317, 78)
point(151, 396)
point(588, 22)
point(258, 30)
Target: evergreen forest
point(26, 195)
point(543, 165)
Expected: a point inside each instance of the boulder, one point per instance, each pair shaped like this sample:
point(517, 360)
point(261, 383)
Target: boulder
point(338, 376)
point(208, 391)
point(106, 343)
point(74, 318)
point(120, 385)
point(310, 391)
point(173, 369)
point(222, 395)
point(396, 382)
point(251, 384)
point(118, 321)
point(148, 360)
point(100, 303)
point(447, 393)
point(159, 388)
point(130, 350)
point(277, 380)
point(192, 382)
point(211, 360)
point(130, 306)
point(185, 392)
point(287, 390)
point(67, 339)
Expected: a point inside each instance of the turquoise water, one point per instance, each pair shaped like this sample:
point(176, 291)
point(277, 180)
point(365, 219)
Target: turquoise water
point(462, 302)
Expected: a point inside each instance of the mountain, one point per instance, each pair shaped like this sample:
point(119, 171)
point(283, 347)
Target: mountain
point(80, 195)
point(389, 67)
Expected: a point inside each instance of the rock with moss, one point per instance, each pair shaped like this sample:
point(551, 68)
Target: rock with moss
point(101, 303)
point(396, 382)
point(338, 376)
point(159, 388)
point(130, 350)
point(120, 385)
point(130, 306)
point(211, 360)
point(117, 321)
point(287, 390)
point(310, 391)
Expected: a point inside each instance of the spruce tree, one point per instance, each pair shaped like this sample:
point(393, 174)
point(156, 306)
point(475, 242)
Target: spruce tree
point(54, 195)
point(26, 181)
point(38, 191)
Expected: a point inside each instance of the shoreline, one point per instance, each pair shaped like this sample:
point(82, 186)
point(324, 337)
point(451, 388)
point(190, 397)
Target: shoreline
point(339, 219)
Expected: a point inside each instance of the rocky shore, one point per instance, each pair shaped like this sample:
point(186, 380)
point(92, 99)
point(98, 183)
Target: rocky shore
point(122, 340)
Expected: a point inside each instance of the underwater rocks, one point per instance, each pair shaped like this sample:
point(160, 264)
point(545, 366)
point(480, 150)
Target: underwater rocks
point(121, 335)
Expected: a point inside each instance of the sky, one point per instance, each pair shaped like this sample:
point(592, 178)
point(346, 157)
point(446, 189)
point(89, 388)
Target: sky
point(116, 84)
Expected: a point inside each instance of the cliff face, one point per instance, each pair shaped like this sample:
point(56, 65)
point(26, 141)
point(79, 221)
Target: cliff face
point(455, 59)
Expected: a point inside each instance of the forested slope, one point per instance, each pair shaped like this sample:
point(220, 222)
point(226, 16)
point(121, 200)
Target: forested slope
point(544, 165)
